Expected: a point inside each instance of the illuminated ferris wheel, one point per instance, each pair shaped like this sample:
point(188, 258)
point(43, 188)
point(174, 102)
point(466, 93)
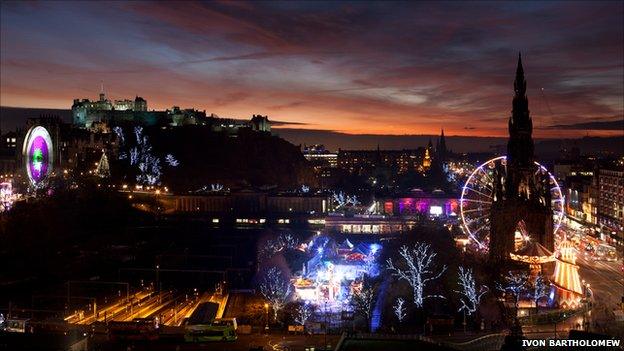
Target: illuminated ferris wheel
point(478, 194)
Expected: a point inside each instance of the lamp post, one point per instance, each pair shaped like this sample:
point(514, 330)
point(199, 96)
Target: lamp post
point(464, 322)
point(266, 310)
point(586, 294)
point(326, 322)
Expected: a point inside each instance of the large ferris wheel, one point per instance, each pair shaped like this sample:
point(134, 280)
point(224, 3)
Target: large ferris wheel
point(478, 195)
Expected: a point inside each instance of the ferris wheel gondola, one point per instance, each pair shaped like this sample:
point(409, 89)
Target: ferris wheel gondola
point(478, 195)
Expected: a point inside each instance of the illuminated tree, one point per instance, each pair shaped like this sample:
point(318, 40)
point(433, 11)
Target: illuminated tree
point(141, 155)
point(303, 312)
point(120, 136)
point(514, 283)
point(541, 288)
point(363, 303)
point(171, 160)
point(273, 246)
point(343, 200)
point(419, 270)
point(399, 309)
point(103, 169)
point(471, 296)
point(276, 289)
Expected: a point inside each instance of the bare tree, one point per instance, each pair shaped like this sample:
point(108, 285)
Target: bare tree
point(471, 295)
point(275, 288)
point(341, 200)
point(304, 312)
point(515, 283)
point(273, 246)
point(363, 302)
point(399, 309)
point(419, 270)
point(541, 288)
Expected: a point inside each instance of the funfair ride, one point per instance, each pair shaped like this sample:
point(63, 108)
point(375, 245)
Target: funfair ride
point(478, 195)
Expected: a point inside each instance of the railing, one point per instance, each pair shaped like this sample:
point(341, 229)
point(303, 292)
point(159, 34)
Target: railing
point(485, 343)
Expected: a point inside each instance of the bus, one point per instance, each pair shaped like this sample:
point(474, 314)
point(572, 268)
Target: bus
point(225, 321)
point(207, 332)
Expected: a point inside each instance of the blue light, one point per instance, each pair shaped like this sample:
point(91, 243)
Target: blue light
point(374, 248)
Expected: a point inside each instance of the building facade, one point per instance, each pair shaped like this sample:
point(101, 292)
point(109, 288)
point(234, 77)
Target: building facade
point(611, 204)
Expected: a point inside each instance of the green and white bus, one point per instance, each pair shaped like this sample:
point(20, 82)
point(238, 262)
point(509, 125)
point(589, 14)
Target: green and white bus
point(207, 332)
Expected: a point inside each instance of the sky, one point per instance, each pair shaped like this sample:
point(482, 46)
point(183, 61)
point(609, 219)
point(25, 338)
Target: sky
point(352, 67)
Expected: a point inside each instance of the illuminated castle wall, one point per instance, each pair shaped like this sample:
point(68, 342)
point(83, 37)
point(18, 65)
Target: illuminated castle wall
point(87, 113)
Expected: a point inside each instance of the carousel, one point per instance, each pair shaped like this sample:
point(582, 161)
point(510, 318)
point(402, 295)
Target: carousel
point(535, 255)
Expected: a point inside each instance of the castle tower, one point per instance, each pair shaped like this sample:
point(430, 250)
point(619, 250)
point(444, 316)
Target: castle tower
point(567, 282)
point(102, 94)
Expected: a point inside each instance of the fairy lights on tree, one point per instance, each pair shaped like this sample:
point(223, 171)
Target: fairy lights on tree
point(303, 312)
point(276, 289)
point(514, 283)
point(142, 157)
point(399, 309)
point(171, 160)
point(419, 270)
point(343, 200)
point(363, 302)
point(540, 289)
point(103, 169)
point(471, 296)
point(282, 242)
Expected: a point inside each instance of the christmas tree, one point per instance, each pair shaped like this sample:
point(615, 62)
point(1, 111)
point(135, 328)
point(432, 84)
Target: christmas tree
point(103, 170)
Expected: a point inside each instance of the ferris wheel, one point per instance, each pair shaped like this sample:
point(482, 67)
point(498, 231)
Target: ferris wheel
point(478, 194)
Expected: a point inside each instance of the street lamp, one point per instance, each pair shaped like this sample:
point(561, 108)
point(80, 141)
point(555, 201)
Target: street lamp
point(326, 323)
point(585, 301)
point(266, 312)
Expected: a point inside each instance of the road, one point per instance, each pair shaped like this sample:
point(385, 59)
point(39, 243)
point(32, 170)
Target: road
point(271, 342)
point(605, 278)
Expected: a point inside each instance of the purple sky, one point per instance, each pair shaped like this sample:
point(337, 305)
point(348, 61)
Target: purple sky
point(379, 68)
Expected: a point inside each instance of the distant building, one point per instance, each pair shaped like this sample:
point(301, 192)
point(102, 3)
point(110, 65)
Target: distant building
point(441, 150)
point(101, 114)
point(578, 199)
point(364, 161)
point(611, 204)
point(8, 152)
point(260, 123)
point(320, 157)
point(426, 164)
point(184, 117)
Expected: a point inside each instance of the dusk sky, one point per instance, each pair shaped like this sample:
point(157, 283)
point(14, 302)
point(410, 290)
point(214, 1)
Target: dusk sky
point(379, 68)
